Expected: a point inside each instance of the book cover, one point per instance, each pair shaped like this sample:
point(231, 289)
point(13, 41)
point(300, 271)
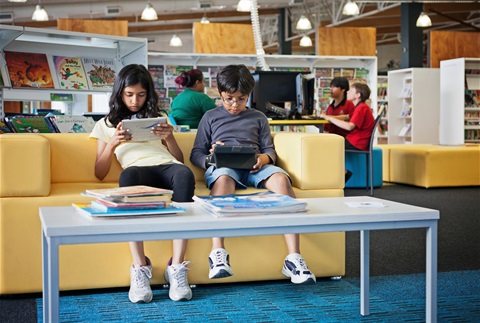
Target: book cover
point(31, 124)
point(100, 206)
point(28, 70)
point(257, 203)
point(4, 128)
point(70, 73)
point(172, 71)
point(119, 204)
point(136, 190)
point(157, 75)
point(87, 210)
point(73, 124)
point(100, 72)
point(137, 199)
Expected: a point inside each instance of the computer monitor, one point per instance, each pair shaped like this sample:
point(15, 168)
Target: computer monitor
point(305, 86)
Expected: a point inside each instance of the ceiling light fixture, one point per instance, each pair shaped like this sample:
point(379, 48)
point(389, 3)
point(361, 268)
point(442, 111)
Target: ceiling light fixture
point(204, 18)
point(244, 5)
point(306, 41)
point(17, 0)
point(149, 12)
point(351, 9)
point(303, 23)
point(39, 14)
point(424, 20)
point(176, 41)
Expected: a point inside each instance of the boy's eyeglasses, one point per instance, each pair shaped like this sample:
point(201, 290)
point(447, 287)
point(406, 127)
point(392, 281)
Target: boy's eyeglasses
point(239, 103)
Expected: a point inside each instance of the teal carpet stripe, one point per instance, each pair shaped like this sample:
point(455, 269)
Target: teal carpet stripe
point(399, 298)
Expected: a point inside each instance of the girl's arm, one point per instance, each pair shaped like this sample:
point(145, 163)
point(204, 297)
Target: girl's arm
point(165, 131)
point(105, 152)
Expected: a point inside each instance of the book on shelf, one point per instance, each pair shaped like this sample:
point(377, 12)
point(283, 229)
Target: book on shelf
point(70, 73)
point(101, 73)
point(92, 213)
point(250, 204)
point(28, 70)
point(156, 71)
point(73, 124)
point(127, 191)
point(406, 91)
point(4, 128)
point(30, 124)
point(405, 130)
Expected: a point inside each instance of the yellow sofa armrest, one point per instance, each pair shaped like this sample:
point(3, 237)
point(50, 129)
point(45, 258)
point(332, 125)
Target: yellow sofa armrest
point(24, 165)
point(314, 161)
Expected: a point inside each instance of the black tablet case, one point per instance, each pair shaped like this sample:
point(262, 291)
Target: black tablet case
point(239, 157)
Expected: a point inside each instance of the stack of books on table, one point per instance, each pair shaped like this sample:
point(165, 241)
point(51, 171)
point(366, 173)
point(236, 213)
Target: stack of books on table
point(250, 204)
point(128, 201)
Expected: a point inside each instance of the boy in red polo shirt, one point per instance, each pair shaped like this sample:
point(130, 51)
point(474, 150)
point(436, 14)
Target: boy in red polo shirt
point(340, 107)
point(361, 122)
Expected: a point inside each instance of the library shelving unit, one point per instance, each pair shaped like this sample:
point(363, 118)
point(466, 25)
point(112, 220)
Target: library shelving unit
point(124, 50)
point(210, 63)
point(460, 101)
point(413, 106)
point(382, 103)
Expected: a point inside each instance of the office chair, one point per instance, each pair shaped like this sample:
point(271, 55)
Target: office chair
point(369, 153)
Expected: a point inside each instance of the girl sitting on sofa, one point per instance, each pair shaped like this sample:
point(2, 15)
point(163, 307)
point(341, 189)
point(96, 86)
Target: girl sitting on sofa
point(155, 163)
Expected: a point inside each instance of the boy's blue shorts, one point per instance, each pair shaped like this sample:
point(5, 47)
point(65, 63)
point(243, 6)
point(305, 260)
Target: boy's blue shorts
point(243, 177)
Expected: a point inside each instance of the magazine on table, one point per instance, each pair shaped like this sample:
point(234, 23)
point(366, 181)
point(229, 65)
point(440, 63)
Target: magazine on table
point(127, 191)
point(249, 204)
point(92, 212)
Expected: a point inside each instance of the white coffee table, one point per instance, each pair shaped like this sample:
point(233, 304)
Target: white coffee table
point(63, 225)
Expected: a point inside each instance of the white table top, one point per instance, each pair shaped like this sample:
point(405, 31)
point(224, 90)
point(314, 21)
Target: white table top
point(65, 221)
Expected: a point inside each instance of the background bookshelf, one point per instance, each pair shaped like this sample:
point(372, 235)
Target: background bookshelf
point(413, 106)
point(460, 101)
point(382, 103)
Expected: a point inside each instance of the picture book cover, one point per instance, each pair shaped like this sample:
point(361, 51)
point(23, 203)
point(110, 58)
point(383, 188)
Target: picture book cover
point(31, 124)
point(4, 128)
point(89, 211)
point(135, 190)
point(157, 75)
point(73, 124)
point(172, 71)
point(119, 204)
point(70, 73)
point(28, 70)
point(100, 206)
point(100, 72)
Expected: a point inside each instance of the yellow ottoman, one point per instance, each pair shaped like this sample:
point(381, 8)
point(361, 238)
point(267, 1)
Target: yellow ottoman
point(434, 165)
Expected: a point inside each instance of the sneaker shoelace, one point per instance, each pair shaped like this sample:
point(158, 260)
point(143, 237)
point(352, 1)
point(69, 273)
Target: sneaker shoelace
point(180, 274)
point(142, 277)
point(300, 262)
point(220, 257)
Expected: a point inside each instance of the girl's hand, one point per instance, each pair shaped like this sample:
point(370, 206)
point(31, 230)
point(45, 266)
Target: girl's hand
point(119, 136)
point(163, 130)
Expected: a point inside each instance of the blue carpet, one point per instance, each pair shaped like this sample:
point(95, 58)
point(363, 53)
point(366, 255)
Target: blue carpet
point(399, 298)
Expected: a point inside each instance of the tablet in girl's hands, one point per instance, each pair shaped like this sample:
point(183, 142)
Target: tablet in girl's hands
point(141, 129)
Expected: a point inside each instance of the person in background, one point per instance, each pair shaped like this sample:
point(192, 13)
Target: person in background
point(191, 104)
point(155, 163)
point(235, 124)
point(340, 107)
point(361, 122)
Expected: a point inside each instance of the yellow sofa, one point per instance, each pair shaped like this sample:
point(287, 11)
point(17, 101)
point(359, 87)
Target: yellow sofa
point(53, 169)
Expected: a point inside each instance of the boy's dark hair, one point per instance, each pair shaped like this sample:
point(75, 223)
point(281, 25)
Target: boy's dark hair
point(340, 82)
point(233, 78)
point(131, 75)
point(189, 78)
point(363, 89)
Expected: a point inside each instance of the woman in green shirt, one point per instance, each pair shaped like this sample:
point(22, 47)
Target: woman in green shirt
point(189, 106)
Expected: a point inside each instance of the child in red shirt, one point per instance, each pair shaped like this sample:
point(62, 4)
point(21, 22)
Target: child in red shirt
point(340, 107)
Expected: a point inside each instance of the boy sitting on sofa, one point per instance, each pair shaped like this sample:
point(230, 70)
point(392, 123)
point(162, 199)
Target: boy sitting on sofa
point(235, 124)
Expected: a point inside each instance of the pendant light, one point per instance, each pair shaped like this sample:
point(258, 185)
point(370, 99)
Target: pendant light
point(424, 20)
point(149, 12)
point(204, 18)
point(303, 23)
point(39, 14)
point(244, 5)
point(351, 9)
point(306, 41)
point(176, 41)
point(17, 0)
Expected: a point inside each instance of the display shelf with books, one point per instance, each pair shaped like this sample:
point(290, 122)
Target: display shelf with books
point(413, 106)
point(35, 81)
point(382, 104)
point(460, 101)
point(323, 68)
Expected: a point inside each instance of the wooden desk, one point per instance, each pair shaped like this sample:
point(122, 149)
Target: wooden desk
point(300, 122)
point(63, 225)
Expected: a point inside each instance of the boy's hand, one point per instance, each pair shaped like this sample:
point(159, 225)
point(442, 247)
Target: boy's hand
point(262, 159)
point(215, 144)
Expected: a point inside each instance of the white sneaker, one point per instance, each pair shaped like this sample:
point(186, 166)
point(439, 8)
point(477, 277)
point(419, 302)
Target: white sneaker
point(177, 277)
point(140, 277)
point(219, 264)
point(295, 267)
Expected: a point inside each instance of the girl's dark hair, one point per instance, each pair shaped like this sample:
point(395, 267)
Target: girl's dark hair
point(233, 78)
point(340, 82)
point(131, 75)
point(188, 79)
point(363, 89)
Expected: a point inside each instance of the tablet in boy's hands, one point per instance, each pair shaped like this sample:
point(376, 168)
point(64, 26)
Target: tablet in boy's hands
point(141, 129)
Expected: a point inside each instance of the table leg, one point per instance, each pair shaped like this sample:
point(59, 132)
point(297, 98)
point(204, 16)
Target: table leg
point(45, 290)
point(52, 282)
point(365, 272)
point(431, 275)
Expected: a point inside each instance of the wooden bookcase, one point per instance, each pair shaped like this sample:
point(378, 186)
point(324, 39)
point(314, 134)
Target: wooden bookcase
point(413, 106)
point(460, 101)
